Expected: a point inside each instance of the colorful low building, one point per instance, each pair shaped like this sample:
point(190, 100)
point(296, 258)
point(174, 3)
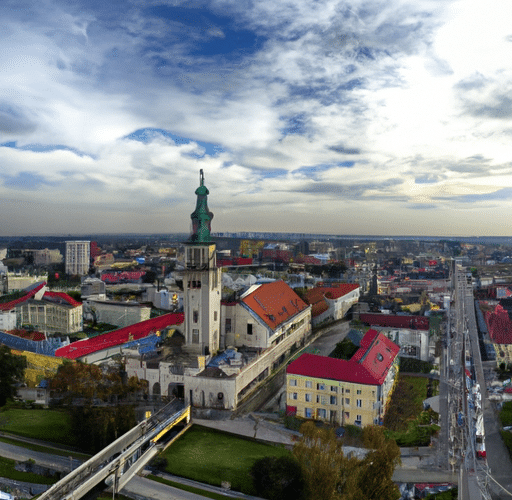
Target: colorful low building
point(343, 392)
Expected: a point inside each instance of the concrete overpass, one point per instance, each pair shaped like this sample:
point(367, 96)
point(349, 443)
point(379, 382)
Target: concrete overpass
point(116, 464)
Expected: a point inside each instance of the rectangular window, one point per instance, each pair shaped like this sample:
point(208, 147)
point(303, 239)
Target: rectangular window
point(195, 336)
point(249, 328)
point(347, 391)
point(293, 382)
point(359, 419)
point(347, 401)
point(333, 400)
point(347, 415)
point(308, 412)
point(358, 391)
point(322, 413)
point(320, 387)
point(293, 395)
point(195, 316)
point(317, 398)
point(307, 397)
point(228, 325)
point(309, 384)
point(334, 388)
point(359, 403)
point(214, 315)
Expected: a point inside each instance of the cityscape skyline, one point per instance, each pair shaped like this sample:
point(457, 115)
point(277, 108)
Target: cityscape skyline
point(383, 118)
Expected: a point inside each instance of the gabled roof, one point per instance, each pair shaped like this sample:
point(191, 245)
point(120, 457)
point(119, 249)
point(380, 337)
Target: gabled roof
point(316, 296)
point(118, 337)
point(369, 365)
point(274, 303)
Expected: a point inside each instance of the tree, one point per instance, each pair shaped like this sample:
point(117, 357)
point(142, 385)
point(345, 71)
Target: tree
point(12, 370)
point(278, 478)
point(321, 458)
point(330, 475)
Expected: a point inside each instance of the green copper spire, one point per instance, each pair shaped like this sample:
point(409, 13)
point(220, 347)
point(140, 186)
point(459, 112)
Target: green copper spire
point(201, 217)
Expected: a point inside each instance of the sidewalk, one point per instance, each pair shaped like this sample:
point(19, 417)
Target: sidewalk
point(254, 426)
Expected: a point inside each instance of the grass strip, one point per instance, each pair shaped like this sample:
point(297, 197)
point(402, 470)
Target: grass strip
point(8, 471)
point(44, 449)
point(211, 456)
point(190, 489)
point(46, 425)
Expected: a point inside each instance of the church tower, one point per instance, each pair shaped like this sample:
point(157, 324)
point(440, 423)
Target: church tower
point(201, 281)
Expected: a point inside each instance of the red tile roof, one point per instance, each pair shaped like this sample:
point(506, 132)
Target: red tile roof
point(274, 303)
point(395, 321)
point(369, 365)
point(13, 303)
point(499, 325)
point(316, 296)
point(118, 337)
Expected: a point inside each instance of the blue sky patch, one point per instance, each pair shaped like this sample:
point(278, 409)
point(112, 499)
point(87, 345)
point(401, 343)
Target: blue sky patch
point(44, 148)
point(27, 181)
point(207, 33)
point(146, 135)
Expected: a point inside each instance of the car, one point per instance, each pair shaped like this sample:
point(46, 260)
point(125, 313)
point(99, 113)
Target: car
point(507, 428)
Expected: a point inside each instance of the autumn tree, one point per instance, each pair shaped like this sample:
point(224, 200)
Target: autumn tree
point(331, 475)
point(12, 370)
point(89, 381)
point(278, 478)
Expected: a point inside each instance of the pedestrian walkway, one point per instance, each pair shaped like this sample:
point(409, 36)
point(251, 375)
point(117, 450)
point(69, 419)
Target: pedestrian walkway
point(253, 426)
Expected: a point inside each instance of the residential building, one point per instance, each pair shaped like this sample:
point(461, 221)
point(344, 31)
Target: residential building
point(331, 302)
point(78, 257)
point(343, 392)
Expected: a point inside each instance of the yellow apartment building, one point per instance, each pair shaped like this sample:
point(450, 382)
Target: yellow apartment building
point(342, 392)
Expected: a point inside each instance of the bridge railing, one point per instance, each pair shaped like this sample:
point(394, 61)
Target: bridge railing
point(110, 458)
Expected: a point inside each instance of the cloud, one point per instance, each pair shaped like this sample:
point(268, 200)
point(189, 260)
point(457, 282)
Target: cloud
point(350, 108)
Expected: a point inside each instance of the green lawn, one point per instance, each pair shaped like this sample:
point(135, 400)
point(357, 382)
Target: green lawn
point(8, 471)
point(47, 425)
point(405, 419)
point(210, 456)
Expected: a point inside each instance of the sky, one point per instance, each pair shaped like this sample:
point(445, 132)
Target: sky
point(389, 117)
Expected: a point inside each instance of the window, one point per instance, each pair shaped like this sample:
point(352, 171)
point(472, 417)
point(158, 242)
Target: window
point(228, 325)
point(359, 403)
point(214, 315)
point(334, 388)
point(347, 401)
point(309, 384)
point(195, 316)
point(320, 387)
point(195, 336)
point(322, 413)
point(249, 328)
point(358, 391)
point(293, 382)
point(334, 400)
point(317, 398)
point(307, 397)
point(358, 419)
point(308, 412)
point(347, 391)
point(293, 395)
point(347, 415)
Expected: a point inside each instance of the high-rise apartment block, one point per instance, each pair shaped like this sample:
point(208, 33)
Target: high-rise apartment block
point(78, 256)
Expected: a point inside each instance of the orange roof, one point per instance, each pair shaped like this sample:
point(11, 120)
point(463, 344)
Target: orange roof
point(316, 296)
point(274, 303)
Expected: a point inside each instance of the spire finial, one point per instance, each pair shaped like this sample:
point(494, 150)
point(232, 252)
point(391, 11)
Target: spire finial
point(201, 177)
